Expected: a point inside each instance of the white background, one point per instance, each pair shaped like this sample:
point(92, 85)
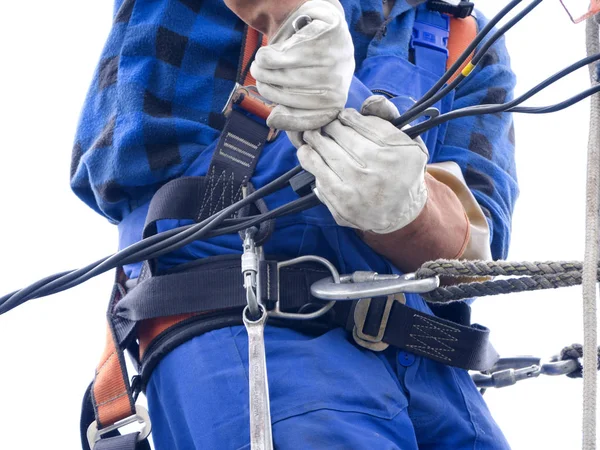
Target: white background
point(49, 347)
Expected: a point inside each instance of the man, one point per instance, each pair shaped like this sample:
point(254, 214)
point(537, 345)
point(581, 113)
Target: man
point(153, 115)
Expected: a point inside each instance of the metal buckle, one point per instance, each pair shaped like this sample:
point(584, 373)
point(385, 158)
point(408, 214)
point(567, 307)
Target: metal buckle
point(371, 284)
point(335, 276)
point(361, 310)
point(230, 100)
point(141, 416)
point(363, 286)
point(236, 96)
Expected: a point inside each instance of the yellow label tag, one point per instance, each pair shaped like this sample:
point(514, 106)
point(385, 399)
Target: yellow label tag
point(467, 70)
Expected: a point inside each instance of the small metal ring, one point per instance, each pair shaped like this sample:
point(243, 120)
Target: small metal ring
point(300, 22)
point(249, 321)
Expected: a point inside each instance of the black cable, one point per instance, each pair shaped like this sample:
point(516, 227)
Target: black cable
point(309, 201)
point(503, 30)
point(457, 64)
point(35, 285)
point(530, 93)
point(14, 299)
point(298, 205)
point(199, 230)
point(430, 99)
point(498, 108)
point(149, 248)
point(559, 106)
point(294, 206)
point(414, 113)
point(166, 242)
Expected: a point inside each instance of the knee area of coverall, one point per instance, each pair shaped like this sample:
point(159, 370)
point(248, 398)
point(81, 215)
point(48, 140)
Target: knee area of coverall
point(445, 407)
point(311, 380)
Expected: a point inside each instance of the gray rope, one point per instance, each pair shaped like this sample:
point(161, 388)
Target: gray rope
point(532, 276)
point(590, 337)
point(462, 268)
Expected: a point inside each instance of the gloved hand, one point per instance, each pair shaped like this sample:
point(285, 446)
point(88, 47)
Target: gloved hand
point(369, 174)
point(307, 72)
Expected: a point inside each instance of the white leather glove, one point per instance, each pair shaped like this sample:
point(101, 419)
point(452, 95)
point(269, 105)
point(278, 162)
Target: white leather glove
point(308, 72)
point(369, 174)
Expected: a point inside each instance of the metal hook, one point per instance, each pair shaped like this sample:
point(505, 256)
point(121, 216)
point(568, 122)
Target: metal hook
point(371, 284)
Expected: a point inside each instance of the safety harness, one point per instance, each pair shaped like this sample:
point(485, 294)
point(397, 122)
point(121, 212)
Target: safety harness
point(157, 312)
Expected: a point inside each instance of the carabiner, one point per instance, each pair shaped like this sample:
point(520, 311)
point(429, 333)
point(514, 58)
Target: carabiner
point(371, 284)
point(250, 271)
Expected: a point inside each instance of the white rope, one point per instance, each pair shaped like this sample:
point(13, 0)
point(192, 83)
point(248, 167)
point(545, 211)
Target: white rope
point(591, 252)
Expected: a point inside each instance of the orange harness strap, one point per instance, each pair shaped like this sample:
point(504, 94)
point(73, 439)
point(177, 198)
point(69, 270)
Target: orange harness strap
point(245, 95)
point(462, 33)
point(111, 391)
point(148, 330)
point(253, 40)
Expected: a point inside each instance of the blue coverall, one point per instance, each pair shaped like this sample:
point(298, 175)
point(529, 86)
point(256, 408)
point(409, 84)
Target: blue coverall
point(151, 115)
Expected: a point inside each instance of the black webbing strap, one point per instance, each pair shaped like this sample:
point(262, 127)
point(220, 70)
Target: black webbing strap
point(217, 286)
point(209, 285)
point(232, 165)
point(446, 341)
point(124, 442)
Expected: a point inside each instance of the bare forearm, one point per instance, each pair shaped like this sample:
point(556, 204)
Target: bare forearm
point(265, 16)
